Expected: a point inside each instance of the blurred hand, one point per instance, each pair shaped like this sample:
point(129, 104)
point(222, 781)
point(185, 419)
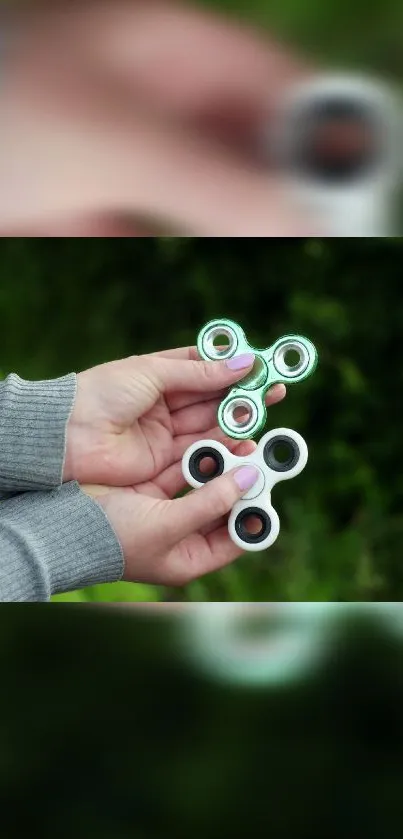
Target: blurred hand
point(124, 109)
point(133, 419)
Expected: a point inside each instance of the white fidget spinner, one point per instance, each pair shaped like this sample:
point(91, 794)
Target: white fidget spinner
point(273, 644)
point(280, 455)
point(259, 644)
point(338, 140)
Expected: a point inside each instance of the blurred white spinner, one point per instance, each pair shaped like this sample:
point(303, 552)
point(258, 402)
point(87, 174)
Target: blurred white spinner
point(338, 141)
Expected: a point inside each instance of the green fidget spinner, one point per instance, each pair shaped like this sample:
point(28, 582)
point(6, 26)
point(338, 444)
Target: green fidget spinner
point(292, 358)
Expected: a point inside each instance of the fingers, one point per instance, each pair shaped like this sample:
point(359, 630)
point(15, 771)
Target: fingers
point(189, 353)
point(203, 376)
point(87, 227)
point(199, 417)
point(182, 442)
point(196, 418)
point(160, 49)
point(125, 164)
point(206, 191)
point(82, 148)
point(199, 508)
point(77, 142)
point(171, 480)
point(177, 401)
point(276, 394)
point(198, 555)
point(243, 448)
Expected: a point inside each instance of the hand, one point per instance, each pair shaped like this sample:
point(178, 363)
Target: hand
point(170, 543)
point(133, 419)
point(124, 109)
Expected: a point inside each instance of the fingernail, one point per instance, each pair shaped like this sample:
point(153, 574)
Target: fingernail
point(246, 477)
point(239, 362)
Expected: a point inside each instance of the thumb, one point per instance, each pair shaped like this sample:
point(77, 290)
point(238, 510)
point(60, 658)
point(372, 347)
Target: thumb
point(202, 507)
point(200, 376)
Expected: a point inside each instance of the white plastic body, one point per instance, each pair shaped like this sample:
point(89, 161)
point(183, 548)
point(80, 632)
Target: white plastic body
point(365, 211)
point(292, 641)
point(259, 497)
point(366, 207)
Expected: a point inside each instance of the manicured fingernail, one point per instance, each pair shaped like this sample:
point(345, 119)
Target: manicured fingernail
point(246, 477)
point(239, 362)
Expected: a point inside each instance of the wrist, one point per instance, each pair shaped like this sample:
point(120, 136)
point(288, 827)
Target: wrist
point(69, 471)
point(95, 491)
point(78, 433)
point(34, 418)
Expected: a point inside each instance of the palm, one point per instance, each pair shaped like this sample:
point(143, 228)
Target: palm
point(151, 445)
point(160, 475)
point(148, 454)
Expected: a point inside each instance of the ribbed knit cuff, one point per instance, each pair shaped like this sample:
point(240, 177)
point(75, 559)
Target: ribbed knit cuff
point(56, 541)
point(33, 422)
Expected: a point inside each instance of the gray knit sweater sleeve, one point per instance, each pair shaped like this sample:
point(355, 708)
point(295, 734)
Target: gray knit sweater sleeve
point(33, 421)
point(55, 541)
point(55, 538)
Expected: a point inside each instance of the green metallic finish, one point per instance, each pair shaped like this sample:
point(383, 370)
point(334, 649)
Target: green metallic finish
point(269, 369)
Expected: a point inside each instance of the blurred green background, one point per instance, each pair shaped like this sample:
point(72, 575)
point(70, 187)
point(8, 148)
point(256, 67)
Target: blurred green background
point(107, 734)
point(68, 304)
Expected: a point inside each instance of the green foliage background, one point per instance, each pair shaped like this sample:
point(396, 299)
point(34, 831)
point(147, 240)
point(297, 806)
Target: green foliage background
point(108, 731)
point(69, 304)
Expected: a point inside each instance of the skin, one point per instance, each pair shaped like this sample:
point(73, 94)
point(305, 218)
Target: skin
point(115, 124)
point(131, 423)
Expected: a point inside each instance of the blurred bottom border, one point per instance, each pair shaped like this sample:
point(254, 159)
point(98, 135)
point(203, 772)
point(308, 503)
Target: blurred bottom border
point(178, 720)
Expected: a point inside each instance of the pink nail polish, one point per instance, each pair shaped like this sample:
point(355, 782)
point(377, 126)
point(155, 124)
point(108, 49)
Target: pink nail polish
point(246, 477)
point(240, 362)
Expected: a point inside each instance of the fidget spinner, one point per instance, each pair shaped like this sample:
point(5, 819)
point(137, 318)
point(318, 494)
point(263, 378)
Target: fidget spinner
point(242, 414)
point(280, 455)
point(338, 140)
point(260, 644)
